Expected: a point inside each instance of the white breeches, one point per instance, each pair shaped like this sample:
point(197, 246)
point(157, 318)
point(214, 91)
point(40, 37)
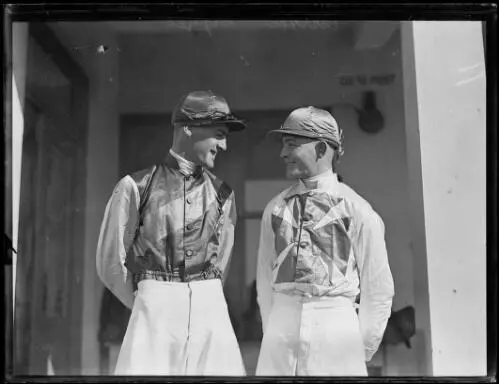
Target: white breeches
point(312, 337)
point(180, 329)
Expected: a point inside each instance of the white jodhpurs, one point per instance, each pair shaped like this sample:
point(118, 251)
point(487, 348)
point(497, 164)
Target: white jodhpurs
point(312, 337)
point(180, 329)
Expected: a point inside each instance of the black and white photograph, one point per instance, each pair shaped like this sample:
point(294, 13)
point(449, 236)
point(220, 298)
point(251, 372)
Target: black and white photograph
point(216, 196)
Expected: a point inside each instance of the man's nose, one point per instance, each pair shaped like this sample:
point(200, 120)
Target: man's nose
point(284, 153)
point(222, 144)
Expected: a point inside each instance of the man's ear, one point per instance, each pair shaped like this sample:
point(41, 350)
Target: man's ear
point(320, 149)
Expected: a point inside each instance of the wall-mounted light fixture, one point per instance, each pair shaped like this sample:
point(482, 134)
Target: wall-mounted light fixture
point(370, 119)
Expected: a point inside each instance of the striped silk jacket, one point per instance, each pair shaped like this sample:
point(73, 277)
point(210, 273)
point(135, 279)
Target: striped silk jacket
point(166, 224)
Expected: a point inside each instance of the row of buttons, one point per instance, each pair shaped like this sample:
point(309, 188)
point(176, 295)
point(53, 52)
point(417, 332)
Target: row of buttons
point(304, 244)
point(306, 216)
point(306, 220)
point(188, 201)
point(189, 252)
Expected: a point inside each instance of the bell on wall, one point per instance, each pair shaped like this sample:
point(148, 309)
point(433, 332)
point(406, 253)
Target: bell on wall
point(370, 118)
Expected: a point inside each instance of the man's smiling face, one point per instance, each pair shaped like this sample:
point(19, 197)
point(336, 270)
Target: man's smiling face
point(207, 142)
point(300, 156)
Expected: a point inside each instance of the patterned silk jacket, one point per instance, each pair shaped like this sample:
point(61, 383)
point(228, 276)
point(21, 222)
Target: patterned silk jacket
point(184, 232)
point(320, 238)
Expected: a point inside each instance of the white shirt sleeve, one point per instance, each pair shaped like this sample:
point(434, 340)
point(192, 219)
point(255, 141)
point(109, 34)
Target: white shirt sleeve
point(266, 257)
point(227, 234)
point(376, 281)
point(116, 235)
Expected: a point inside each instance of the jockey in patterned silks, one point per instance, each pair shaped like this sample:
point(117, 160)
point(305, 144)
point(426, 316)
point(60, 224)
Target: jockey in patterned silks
point(164, 249)
point(321, 244)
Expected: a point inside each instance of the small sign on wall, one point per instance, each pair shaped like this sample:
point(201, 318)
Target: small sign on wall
point(348, 80)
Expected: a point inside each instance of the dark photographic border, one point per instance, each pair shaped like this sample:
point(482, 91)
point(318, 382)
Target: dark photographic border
point(485, 12)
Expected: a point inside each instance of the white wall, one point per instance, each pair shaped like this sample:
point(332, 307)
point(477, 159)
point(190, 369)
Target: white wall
point(286, 69)
point(446, 106)
point(19, 61)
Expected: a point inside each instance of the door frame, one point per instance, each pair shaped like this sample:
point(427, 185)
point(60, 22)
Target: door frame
point(42, 34)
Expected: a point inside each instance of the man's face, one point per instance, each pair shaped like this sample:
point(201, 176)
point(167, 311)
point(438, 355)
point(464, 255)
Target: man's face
point(300, 156)
point(206, 142)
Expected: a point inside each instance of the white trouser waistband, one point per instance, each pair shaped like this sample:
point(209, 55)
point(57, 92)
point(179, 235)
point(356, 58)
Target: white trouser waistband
point(314, 301)
point(200, 285)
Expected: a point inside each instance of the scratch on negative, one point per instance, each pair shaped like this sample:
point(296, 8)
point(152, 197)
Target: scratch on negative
point(466, 81)
point(470, 68)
